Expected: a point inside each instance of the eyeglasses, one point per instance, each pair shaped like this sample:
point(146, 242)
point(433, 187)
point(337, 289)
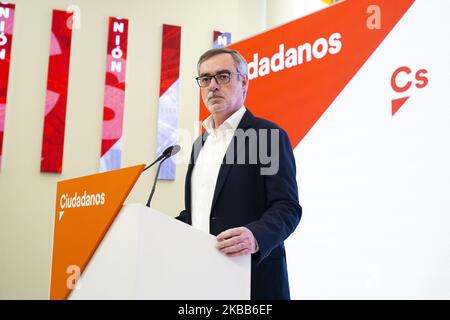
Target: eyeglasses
point(221, 78)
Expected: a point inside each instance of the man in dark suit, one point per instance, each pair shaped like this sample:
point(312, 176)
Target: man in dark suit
point(241, 181)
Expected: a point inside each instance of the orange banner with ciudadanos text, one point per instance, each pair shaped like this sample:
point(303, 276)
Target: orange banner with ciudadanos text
point(299, 68)
point(85, 209)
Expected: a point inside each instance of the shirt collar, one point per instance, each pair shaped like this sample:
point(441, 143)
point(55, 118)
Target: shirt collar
point(231, 122)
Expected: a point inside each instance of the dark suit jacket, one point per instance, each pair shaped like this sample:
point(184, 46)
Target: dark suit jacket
point(266, 204)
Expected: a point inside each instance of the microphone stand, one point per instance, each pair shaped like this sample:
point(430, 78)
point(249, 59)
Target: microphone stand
point(154, 182)
point(170, 151)
point(151, 164)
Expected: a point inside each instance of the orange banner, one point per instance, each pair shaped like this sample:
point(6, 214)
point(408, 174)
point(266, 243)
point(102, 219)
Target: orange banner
point(298, 69)
point(85, 209)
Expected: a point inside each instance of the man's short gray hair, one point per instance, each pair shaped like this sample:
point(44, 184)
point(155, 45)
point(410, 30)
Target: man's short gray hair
point(239, 62)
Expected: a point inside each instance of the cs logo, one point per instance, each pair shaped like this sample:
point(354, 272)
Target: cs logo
point(402, 80)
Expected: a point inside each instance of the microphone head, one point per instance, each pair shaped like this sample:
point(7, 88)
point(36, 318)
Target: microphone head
point(170, 151)
point(175, 149)
point(167, 151)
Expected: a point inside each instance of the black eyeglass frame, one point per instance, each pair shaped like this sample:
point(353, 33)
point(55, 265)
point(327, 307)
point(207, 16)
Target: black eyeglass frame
point(220, 82)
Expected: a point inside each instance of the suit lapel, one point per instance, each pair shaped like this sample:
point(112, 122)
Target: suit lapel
point(224, 171)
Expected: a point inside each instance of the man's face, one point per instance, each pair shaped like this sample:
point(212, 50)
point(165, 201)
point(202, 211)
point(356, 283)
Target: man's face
point(223, 98)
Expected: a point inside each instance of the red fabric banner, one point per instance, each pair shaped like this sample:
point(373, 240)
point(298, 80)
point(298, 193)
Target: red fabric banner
point(56, 96)
point(6, 32)
point(169, 97)
point(114, 99)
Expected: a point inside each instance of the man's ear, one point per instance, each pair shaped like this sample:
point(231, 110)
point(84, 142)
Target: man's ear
point(245, 82)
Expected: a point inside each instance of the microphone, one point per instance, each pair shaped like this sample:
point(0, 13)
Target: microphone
point(170, 151)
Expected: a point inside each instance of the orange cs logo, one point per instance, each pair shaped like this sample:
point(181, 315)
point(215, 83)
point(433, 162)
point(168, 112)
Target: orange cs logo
point(402, 80)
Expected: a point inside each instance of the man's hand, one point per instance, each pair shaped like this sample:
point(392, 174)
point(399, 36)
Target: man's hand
point(236, 242)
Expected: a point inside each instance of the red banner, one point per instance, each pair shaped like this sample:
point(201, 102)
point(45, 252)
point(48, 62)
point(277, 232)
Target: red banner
point(6, 31)
point(56, 96)
point(114, 99)
point(169, 97)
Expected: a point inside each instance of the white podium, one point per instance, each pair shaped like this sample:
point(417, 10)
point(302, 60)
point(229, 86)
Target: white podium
point(148, 255)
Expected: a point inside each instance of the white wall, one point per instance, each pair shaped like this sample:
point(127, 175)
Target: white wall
point(279, 12)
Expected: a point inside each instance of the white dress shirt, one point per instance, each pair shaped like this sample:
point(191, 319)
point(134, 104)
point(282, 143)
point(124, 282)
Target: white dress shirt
point(207, 166)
